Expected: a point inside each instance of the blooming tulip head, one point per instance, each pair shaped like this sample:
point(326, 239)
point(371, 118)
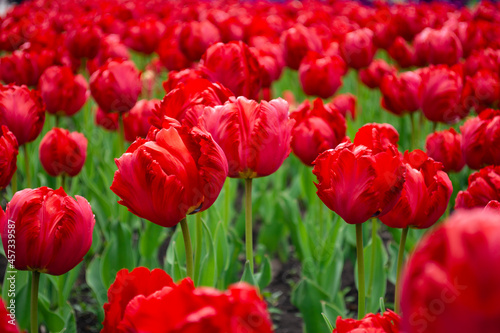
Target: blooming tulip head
point(296, 42)
point(450, 283)
point(196, 37)
point(83, 39)
point(22, 111)
point(372, 75)
point(53, 231)
point(387, 322)
point(402, 53)
point(346, 104)
point(144, 35)
point(363, 179)
point(445, 147)
point(7, 323)
point(317, 128)
point(62, 152)
point(136, 122)
point(175, 171)
point(63, 92)
point(484, 186)
point(116, 86)
point(358, 49)
point(255, 137)
point(8, 156)
point(25, 67)
point(482, 91)
point(321, 76)
point(437, 47)
point(400, 92)
point(425, 196)
point(108, 121)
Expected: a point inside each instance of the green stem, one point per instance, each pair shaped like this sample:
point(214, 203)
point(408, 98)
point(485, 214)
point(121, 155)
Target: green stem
point(413, 131)
point(57, 120)
point(227, 202)
point(27, 165)
point(13, 183)
point(60, 285)
point(401, 255)
point(199, 245)
point(188, 248)
point(361, 271)
point(63, 181)
point(434, 126)
point(121, 133)
point(248, 221)
point(372, 264)
point(34, 301)
point(321, 220)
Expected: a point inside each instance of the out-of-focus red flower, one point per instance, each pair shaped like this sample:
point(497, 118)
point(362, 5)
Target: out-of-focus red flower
point(437, 47)
point(450, 281)
point(321, 76)
point(410, 19)
point(493, 205)
point(484, 186)
point(403, 53)
point(400, 92)
point(425, 196)
point(108, 121)
point(485, 59)
point(357, 48)
point(185, 103)
point(111, 47)
point(22, 111)
point(440, 94)
point(362, 179)
point(482, 91)
point(255, 137)
point(470, 36)
point(63, 92)
point(144, 301)
point(346, 104)
point(144, 35)
point(372, 75)
point(270, 57)
point(388, 322)
point(481, 139)
point(234, 66)
point(8, 156)
point(8, 323)
point(183, 76)
point(116, 86)
point(25, 67)
point(83, 39)
point(196, 37)
point(445, 147)
point(136, 122)
point(317, 128)
point(175, 171)
point(53, 230)
point(296, 42)
point(169, 50)
point(62, 152)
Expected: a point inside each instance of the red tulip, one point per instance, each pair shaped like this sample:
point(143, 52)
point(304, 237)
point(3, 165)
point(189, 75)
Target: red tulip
point(169, 50)
point(317, 128)
point(8, 156)
point(493, 205)
point(377, 137)
point(8, 322)
point(484, 186)
point(296, 42)
point(83, 39)
point(486, 59)
point(22, 111)
point(62, 152)
point(144, 35)
point(270, 57)
point(108, 121)
point(450, 283)
point(186, 102)
point(53, 231)
point(116, 86)
point(358, 49)
point(255, 137)
point(25, 67)
point(445, 147)
point(136, 122)
point(63, 92)
point(196, 37)
point(470, 36)
point(482, 91)
point(175, 171)
point(440, 94)
point(388, 322)
point(346, 104)
point(111, 47)
point(403, 53)
point(400, 92)
point(425, 196)
point(372, 75)
point(183, 76)
point(481, 139)
point(437, 47)
point(321, 76)
point(234, 66)
point(362, 179)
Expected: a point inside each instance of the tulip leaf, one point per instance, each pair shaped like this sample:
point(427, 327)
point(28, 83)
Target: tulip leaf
point(209, 263)
point(94, 280)
point(53, 321)
point(265, 276)
point(221, 247)
point(248, 275)
point(307, 297)
point(327, 321)
point(331, 312)
point(149, 242)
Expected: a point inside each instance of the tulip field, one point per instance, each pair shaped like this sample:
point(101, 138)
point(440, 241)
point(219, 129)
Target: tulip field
point(172, 166)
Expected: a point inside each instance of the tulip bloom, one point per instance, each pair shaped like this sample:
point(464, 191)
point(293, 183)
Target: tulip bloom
point(25, 67)
point(445, 147)
point(357, 48)
point(175, 171)
point(169, 50)
point(111, 47)
point(171, 307)
point(53, 231)
point(400, 92)
point(144, 35)
point(196, 37)
point(402, 53)
point(321, 76)
point(116, 86)
point(481, 139)
point(22, 111)
point(63, 92)
point(255, 137)
point(346, 104)
point(425, 196)
point(234, 66)
point(482, 91)
point(451, 280)
point(8, 156)
point(108, 121)
point(7, 323)
point(296, 42)
point(62, 152)
point(372, 75)
point(387, 322)
point(83, 39)
point(437, 47)
point(136, 122)
point(484, 186)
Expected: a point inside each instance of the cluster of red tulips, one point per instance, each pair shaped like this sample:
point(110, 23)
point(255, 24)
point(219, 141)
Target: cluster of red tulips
point(191, 86)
